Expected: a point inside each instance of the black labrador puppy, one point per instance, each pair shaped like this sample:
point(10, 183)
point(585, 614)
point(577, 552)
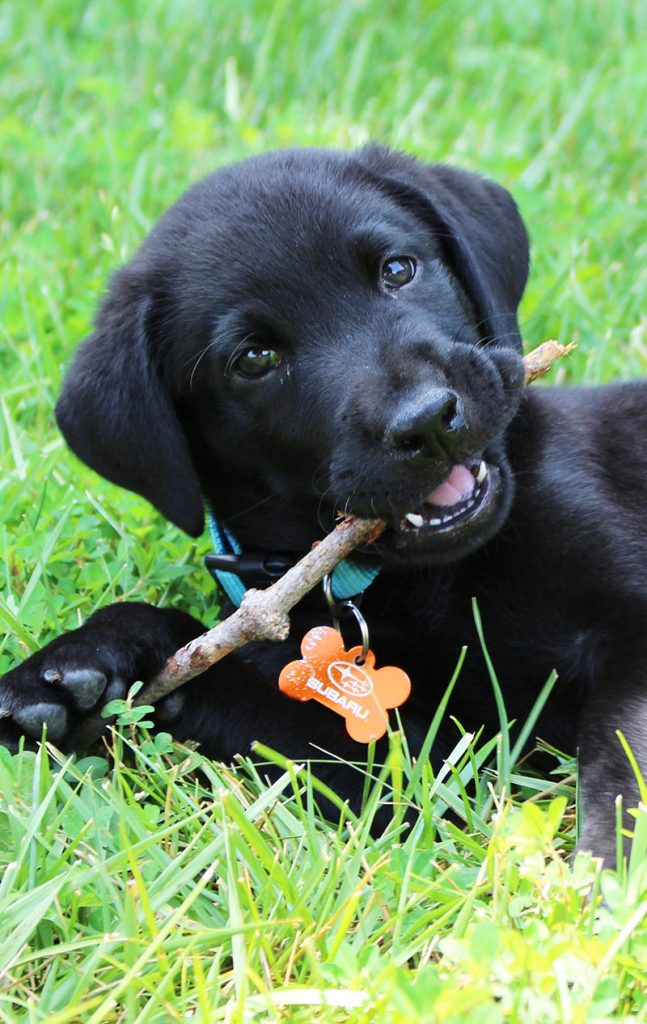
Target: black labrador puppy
point(311, 331)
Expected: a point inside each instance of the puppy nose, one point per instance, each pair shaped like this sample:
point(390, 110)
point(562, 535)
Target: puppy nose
point(424, 426)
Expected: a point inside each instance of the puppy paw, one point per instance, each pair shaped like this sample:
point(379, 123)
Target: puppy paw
point(54, 690)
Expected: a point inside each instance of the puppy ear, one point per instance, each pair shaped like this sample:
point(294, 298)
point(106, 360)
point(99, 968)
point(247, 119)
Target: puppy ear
point(479, 227)
point(116, 413)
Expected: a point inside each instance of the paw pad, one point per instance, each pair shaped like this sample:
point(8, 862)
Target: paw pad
point(33, 718)
point(84, 684)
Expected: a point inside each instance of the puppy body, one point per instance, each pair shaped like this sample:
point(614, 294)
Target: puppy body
point(310, 331)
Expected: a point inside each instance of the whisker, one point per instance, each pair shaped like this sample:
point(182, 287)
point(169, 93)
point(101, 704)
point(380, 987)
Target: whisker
point(198, 361)
point(221, 339)
point(252, 508)
point(232, 358)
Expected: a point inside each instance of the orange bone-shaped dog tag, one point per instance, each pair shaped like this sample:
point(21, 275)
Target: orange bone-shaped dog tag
point(331, 675)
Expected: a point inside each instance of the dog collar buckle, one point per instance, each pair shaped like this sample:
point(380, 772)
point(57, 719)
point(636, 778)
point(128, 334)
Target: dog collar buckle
point(250, 563)
point(228, 564)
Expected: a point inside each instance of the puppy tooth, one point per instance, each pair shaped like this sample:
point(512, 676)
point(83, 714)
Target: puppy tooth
point(482, 473)
point(415, 519)
point(435, 522)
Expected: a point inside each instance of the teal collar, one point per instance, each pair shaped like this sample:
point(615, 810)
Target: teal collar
point(349, 578)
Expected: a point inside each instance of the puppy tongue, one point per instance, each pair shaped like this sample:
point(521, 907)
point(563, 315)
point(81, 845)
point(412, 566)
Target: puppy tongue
point(456, 488)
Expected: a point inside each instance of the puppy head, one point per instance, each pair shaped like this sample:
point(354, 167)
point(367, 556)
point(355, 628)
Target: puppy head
point(308, 331)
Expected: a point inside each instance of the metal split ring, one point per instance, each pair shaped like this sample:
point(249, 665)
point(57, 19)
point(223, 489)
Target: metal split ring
point(337, 610)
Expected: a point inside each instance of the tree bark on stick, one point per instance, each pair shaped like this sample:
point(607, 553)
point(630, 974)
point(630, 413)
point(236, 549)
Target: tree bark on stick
point(539, 361)
point(263, 614)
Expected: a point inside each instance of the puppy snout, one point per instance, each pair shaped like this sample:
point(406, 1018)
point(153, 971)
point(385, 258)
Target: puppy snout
point(424, 426)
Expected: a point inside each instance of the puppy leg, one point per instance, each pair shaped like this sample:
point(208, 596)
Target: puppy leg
point(79, 672)
point(605, 771)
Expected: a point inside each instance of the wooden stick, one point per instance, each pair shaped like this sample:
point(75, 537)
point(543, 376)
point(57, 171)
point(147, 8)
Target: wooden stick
point(539, 361)
point(263, 614)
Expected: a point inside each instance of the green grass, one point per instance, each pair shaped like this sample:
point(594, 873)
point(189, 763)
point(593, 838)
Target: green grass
point(168, 888)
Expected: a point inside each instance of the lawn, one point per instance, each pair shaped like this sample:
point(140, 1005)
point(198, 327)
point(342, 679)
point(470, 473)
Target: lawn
point(152, 885)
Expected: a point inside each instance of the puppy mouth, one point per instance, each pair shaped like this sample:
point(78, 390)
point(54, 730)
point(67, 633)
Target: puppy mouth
point(456, 518)
point(459, 498)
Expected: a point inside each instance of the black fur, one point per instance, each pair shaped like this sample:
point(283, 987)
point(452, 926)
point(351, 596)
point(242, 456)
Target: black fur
point(379, 393)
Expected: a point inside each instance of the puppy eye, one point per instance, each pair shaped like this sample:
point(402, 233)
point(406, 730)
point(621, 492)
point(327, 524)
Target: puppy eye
point(398, 271)
point(256, 362)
